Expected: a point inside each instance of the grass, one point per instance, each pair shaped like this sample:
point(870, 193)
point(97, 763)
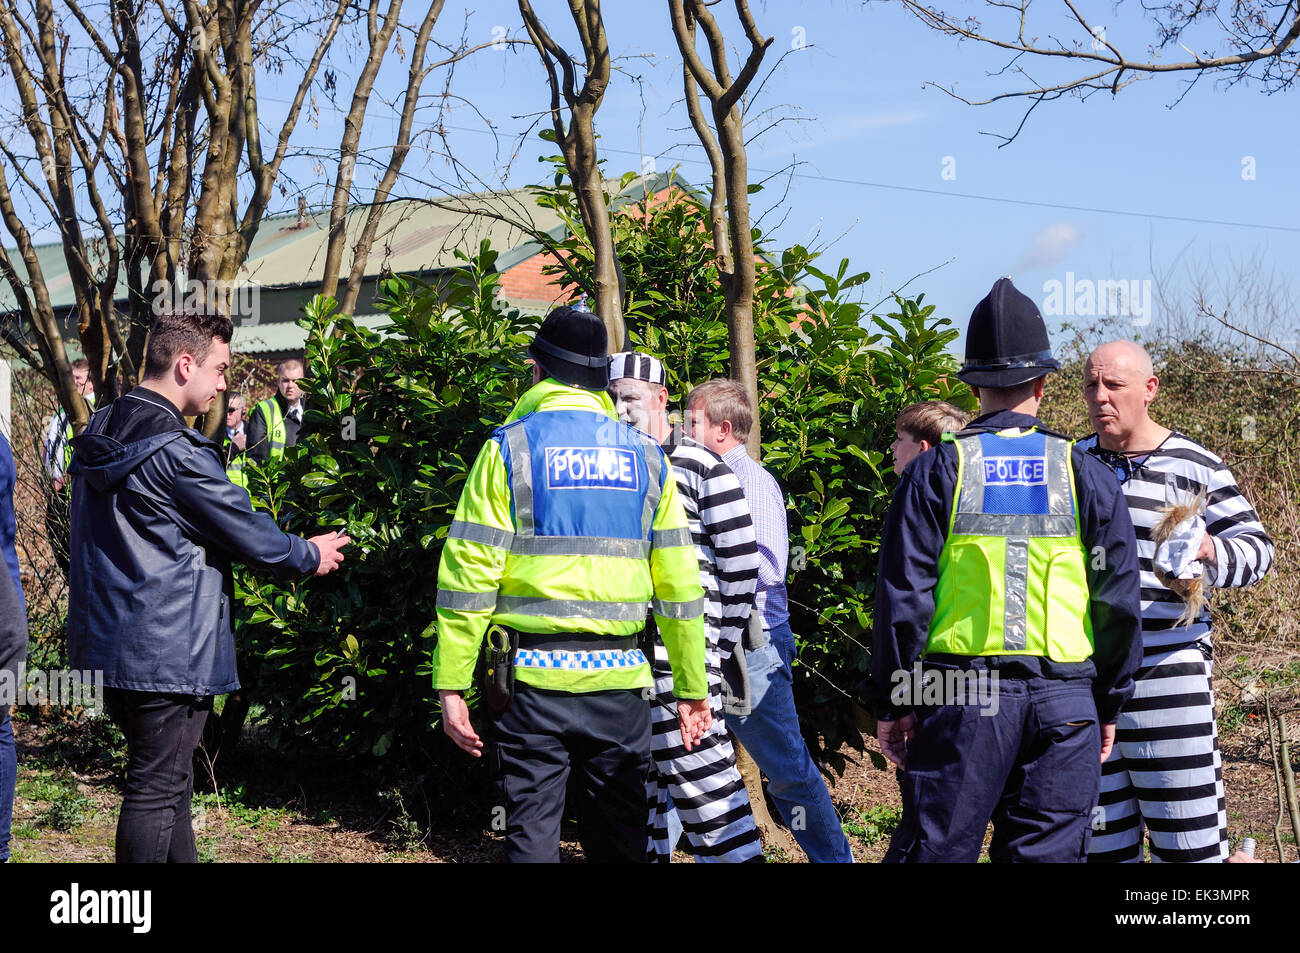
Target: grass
point(874, 824)
point(232, 804)
point(67, 810)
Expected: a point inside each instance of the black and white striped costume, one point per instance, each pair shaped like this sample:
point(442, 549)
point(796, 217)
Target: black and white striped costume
point(1164, 773)
point(704, 784)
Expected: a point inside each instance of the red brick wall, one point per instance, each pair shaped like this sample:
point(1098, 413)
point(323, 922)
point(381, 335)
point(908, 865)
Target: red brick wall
point(526, 282)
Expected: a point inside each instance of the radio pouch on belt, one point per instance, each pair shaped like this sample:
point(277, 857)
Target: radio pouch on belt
point(499, 673)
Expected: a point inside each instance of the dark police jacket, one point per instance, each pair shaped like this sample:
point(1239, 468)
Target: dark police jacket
point(914, 536)
point(155, 525)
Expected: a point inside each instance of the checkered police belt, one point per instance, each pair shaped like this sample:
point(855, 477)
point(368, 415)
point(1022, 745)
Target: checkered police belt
point(571, 661)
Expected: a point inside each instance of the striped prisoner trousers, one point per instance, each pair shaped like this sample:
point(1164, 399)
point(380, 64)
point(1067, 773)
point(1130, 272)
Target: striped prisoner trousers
point(1164, 774)
point(703, 784)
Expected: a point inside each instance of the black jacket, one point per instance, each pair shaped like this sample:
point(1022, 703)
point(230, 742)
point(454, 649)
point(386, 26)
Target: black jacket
point(915, 532)
point(155, 525)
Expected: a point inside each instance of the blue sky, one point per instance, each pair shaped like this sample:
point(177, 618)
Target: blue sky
point(874, 146)
point(864, 117)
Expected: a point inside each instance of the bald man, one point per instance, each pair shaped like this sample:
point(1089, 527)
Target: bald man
point(276, 422)
point(1164, 775)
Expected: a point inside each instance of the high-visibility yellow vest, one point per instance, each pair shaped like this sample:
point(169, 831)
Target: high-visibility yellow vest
point(275, 432)
point(235, 470)
point(1012, 573)
point(67, 447)
point(570, 524)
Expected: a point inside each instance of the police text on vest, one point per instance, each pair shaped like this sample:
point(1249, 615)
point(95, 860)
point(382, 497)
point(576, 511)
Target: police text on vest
point(590, 468)
point(1015, 471)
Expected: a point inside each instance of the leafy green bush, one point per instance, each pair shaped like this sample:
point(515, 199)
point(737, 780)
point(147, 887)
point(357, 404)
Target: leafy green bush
point(394, 421)
point(395, 424)
point(832, 380)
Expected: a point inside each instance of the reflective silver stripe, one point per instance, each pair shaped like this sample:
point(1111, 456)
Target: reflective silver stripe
point(571, 608)
point(521, 479)
point(654, 461)
point(481, 533)
point(1015, 524)
point(1060, 501)
point(1015, 636)
point(664, 538)
point(580, 546)
point(456, 600)
point(680, 610)
point(971, 499)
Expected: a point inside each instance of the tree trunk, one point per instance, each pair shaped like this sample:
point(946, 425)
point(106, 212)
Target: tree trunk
point(578, 144)
point(725, 146)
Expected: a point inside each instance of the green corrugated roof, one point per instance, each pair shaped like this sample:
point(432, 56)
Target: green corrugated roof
point(414, 236)
point(274, 337)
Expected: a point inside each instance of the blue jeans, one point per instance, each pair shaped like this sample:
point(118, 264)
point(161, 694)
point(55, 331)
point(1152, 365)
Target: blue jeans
point(8, 778)
point(770, 733)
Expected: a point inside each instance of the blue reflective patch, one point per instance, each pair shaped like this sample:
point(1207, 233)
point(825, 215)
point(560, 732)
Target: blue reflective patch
point(1015, 471)
point(587, 468)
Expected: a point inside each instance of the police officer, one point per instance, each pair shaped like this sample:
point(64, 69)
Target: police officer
point(236, 441)
point(276, 422)
point(1007, 617)
point(568, 527)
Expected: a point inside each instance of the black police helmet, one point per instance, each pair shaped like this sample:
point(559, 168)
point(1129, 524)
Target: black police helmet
point(570, 346)
point(1006, 340)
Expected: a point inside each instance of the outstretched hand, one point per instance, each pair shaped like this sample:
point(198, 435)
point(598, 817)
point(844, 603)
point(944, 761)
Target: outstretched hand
point(330, 546)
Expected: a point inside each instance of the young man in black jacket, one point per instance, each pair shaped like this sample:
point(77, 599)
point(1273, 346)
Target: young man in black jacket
point(155, 526)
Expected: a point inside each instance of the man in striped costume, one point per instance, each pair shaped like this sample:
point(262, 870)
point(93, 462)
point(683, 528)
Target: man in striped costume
point(1164, 773)
point(702, 784)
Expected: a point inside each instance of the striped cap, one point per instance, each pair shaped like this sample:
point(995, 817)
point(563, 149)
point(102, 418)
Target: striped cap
point(638, 366)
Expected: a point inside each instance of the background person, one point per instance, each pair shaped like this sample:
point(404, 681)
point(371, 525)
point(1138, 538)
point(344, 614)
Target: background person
point(276, 422)
point(57, 458)
point(1009, 553)
point(920, 427)
point(702, 785)
point(235, 441)
point(156, 524)
point(13, 644)
point(1165, 774)
point(719, 416)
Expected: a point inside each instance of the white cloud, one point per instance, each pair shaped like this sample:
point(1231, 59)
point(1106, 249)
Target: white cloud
point(1050, 246)
point(848, 127)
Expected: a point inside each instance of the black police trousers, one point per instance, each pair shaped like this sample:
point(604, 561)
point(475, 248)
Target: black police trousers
point(603, 739)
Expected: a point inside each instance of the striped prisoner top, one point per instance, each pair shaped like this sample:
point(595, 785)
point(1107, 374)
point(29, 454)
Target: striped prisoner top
point(1177, 470)
point(723, 532)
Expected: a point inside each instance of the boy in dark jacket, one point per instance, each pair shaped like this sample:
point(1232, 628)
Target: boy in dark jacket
point(155, 526)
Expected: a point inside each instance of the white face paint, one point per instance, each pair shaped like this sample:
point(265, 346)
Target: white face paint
point(634, 402)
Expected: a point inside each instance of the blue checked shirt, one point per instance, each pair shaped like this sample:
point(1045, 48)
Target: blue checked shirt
point(767, 505)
